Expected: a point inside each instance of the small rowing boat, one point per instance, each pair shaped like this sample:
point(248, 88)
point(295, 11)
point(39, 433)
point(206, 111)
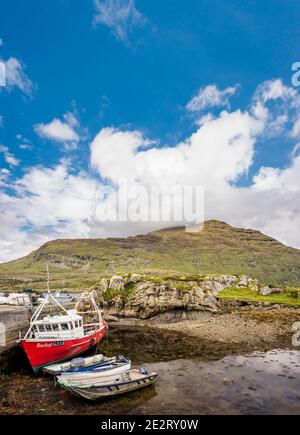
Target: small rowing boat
point(97, 373)
point(74, 364)
point(112, 385)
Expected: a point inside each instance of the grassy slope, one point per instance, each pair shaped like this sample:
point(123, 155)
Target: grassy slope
point(247, 295)
point(218, 249)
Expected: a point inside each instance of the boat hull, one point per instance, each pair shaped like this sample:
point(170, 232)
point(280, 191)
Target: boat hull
point(43, 353)
point(104, 391)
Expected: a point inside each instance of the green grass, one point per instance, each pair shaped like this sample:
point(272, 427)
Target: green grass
point(248, 295)
point(129, 288)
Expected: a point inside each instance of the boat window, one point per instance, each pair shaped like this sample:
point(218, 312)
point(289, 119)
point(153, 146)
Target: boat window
point(41, 328)
point(48, 328)
point(71, 325)
point(55, 327)
point(64, 327)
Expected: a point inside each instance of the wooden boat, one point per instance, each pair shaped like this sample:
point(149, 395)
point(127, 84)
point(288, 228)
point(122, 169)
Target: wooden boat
point(58, 338)
point(89, 375)
point(112, 385)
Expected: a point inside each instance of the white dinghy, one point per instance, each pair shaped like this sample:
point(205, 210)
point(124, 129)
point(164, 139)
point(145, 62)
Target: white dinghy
point(97, 373)
point(57, 369)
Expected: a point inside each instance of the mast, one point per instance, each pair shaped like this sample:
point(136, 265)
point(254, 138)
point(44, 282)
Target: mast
point(48, 278)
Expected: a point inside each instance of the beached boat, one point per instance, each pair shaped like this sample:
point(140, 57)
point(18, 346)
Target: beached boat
point(112, 385)
point(57, 369)
point(55, 338)
point(89, 375)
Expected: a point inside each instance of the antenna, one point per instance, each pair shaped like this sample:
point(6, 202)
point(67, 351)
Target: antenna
point(48, 278)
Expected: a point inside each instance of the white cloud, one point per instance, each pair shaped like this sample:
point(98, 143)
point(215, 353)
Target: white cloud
point(277, 106)
point(274, 90)
point(210, 96)
point(225, 143)
point(60, 131)
point(24, 143)
point(295, 151)
point(25, 146)
point(56, 203)
point(52, 202)
point(9, 157)
point(71, 120)
point(296, 128)
point(4, 174)
point(121, 16)
point(16, 77)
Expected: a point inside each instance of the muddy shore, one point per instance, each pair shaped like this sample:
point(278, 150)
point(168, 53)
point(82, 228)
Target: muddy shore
point(236, 330)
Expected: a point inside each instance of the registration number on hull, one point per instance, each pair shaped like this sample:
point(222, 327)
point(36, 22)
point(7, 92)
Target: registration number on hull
point(55, 344)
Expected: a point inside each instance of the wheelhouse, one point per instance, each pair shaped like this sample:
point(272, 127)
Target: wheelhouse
point(58, 327)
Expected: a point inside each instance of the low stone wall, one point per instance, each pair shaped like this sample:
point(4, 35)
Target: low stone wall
point(12, 320)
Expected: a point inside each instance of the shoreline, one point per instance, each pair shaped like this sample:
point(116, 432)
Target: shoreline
point(233, 331)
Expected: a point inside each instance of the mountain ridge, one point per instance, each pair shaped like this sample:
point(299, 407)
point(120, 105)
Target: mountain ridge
point(218, 249)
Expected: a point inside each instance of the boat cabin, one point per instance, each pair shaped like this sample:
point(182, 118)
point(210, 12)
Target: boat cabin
point(58, 327)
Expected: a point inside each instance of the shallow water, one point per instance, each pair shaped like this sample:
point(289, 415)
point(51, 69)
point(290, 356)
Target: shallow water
point(191, 380)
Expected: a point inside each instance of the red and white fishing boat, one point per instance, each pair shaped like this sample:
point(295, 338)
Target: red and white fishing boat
point(56, 338)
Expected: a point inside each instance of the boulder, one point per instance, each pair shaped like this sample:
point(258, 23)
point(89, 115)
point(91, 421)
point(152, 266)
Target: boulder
point(135, 277)
point(103, 285)
point(253, 284)
point(244, 281)
point(267, 291)
point(117, 283)
point(229, 280)
point(217, 287)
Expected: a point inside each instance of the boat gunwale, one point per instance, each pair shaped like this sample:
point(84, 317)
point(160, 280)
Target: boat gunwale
point(52, 340)
point(59, 372)
point(93, 386)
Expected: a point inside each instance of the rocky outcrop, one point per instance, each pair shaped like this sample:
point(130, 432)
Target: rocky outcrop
point(150, 299)
point(146, 297)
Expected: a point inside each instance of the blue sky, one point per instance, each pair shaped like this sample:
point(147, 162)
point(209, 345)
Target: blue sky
point(134, 66)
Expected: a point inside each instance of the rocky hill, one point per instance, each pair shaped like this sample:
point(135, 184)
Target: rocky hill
point(218, 249)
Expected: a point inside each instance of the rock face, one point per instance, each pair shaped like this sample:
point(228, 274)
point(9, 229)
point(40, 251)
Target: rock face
point(150, 300)
point(147, 298)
